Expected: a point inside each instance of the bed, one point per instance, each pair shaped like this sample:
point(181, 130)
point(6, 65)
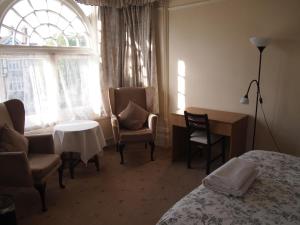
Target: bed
point(273, 198)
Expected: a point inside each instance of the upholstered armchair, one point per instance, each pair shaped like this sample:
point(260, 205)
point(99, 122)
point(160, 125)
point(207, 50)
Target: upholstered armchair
point(119, 99)
point(21, 169)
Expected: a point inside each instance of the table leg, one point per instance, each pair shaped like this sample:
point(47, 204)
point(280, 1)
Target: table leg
point(61, 171)
point(238, 138)
point(96, 161)
point(71, 165)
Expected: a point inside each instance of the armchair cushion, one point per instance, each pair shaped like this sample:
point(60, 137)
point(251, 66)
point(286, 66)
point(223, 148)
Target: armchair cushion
point(122, 96)
point(133, 117)
point(12, 141)
point(141, 135)
point(43, 164)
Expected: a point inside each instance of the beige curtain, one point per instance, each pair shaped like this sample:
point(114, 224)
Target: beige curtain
point(128, 51)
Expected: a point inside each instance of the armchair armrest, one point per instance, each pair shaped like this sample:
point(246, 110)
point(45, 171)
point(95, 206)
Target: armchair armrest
point(152, 124)
point(115, 127)
point(14, 170)
point(41, 144)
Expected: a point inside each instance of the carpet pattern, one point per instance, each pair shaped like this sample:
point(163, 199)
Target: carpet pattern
point(135, 193)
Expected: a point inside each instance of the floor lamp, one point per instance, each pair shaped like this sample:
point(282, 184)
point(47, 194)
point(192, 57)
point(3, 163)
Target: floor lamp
point(261, 44)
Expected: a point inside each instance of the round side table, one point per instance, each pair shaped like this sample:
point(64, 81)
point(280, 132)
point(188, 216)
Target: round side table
point(80, 137)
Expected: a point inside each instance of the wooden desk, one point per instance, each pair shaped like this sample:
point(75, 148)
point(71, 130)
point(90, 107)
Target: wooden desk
point(232, 125)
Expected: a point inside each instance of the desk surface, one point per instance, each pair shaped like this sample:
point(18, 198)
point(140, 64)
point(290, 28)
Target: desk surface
point(215, 115)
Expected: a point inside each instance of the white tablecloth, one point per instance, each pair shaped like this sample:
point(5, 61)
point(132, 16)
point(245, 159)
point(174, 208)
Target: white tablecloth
point(83, 136)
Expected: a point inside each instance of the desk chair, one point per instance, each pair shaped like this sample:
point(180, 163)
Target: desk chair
point(199, 133)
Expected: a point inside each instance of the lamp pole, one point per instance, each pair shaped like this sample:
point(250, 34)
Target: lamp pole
point(257, 94)
point(261, 44)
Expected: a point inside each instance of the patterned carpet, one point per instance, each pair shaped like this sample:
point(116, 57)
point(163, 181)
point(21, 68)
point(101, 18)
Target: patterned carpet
point(136, 193)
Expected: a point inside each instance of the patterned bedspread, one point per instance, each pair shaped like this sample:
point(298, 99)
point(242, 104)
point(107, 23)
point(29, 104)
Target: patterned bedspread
point(273, 198)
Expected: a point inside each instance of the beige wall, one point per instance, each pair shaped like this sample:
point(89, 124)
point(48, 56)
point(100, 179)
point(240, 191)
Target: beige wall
point(212, 39)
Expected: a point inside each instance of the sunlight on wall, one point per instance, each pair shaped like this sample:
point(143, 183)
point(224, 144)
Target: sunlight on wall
point(181, 85)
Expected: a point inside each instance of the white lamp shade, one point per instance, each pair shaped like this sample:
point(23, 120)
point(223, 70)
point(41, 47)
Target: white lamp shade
point(244, 100)
point(260, 42)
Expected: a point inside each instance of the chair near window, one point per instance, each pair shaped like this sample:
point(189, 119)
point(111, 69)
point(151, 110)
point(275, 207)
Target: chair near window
point(199, 133)
point(119, 99)
point(32, 169)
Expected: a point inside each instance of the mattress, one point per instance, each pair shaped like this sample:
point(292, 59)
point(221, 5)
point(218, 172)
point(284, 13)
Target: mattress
point(273, 198)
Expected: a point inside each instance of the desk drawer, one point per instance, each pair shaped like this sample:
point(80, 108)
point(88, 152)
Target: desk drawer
point(220, 128)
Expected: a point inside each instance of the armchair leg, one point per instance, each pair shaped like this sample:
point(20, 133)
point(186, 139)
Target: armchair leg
point(121, 148)
point(41, 188)
point(117, 147)
point(152, 149)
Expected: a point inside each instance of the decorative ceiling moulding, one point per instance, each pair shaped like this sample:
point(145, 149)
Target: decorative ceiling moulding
point(118, 3)
point(179, 4)
point(163, 3)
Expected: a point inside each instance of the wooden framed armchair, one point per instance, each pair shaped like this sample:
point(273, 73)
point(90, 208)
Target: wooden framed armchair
point(18, 169)
point(119, 99)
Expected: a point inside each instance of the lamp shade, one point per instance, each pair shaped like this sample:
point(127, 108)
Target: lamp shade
point(244, 100)
point(260, 42)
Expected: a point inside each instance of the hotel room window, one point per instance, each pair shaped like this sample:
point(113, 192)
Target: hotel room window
point(49, 60)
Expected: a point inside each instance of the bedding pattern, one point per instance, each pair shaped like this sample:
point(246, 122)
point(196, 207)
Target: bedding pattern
point(273, 198)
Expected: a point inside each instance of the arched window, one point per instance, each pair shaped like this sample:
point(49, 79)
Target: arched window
point(43, 23)
point(48, 60)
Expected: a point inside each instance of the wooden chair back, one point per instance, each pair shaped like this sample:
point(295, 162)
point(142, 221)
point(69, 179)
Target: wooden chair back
point(197, 122)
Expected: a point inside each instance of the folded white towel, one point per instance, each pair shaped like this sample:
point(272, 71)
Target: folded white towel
point(233, 178)
point(234, 173)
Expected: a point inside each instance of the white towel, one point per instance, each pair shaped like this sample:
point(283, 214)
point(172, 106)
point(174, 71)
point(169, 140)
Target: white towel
point(233, 178)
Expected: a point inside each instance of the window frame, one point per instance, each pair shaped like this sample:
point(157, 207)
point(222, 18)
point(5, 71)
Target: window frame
point(6, 5)
point(54, 51)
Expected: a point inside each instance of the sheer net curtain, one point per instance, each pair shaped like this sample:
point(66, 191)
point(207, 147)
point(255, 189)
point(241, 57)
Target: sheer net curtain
point(53, 88)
